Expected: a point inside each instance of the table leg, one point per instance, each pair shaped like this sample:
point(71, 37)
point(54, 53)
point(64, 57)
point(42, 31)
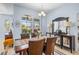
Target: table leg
point(25, 52)
point(61, 41)
point(20, 52)
point(71, 44)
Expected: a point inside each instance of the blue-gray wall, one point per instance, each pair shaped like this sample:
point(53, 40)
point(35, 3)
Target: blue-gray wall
point(43, 24)
point(13, 13)
point(19, 12)
point(6, 13)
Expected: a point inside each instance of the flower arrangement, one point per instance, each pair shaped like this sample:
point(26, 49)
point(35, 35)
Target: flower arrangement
point(29, 30)
point(37, 32)
point(26, 29)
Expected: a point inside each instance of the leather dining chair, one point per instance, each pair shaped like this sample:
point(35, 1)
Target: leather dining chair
point(49, 46)
point(36, 47)
point(8, 37)
point(8, 41)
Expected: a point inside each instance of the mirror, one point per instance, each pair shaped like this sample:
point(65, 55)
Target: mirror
point(59, 24)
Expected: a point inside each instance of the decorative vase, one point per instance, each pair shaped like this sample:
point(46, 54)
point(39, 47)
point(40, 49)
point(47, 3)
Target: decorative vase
point(30, 36)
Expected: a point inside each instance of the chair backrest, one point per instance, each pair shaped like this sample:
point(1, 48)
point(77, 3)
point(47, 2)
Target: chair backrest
point(49, 48)
point(36, 47)
point(24, 36)
point(8, 37)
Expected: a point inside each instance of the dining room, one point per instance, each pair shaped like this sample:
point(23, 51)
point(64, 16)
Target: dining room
point(39, 29)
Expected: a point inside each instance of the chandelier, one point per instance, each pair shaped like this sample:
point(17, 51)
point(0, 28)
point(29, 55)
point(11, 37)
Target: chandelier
point(42, 13)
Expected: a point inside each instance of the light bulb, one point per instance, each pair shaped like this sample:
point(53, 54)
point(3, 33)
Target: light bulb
point(44, 14)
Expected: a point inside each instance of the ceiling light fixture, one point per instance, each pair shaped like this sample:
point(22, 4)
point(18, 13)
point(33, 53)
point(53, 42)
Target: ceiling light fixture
point(42, 13)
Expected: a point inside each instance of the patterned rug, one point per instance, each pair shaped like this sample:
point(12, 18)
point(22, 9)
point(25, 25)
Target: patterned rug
point(57, 52)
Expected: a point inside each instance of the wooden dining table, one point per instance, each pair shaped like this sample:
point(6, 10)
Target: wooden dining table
point(22, 49)
point(22, 45)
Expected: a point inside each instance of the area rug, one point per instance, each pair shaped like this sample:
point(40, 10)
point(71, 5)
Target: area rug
point(57, 52)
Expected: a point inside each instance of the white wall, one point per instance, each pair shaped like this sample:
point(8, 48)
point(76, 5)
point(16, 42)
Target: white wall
point(68, 10)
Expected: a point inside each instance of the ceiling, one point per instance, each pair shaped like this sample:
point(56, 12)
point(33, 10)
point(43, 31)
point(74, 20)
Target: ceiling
point(40, 6)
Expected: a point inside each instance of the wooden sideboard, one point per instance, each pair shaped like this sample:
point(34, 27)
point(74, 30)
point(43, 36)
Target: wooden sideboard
point(48, 33)
point(71, 39)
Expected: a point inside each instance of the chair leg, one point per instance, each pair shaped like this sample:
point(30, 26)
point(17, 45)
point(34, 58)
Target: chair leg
point(24, 52)
point(52, 53)
point(20, 53)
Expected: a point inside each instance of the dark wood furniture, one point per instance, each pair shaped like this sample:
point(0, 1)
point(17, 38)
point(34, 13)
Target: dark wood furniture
point(33, 46)
point(24, 36)
point(33, 35)
point(22, 49)
point(50, 45)
point(8, 41)
point(71, 38)
point(48, 33)
point(27, 36)
point(36, 47)
point(8, 37)
point(71, 41)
